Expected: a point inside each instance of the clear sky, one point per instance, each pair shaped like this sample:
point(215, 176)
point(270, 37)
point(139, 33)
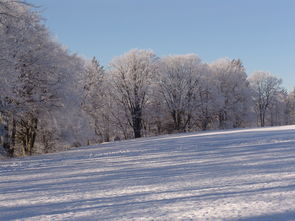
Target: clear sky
point(259, 32)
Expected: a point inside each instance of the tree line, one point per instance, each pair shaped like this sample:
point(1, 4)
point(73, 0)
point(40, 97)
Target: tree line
point(141, 94)
point(51, 99)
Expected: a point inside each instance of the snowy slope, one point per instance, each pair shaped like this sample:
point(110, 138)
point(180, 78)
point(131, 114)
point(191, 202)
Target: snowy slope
point(229, 175)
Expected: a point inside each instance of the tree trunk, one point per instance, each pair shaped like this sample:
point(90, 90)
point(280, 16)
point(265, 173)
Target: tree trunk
point(222, 119)
point(177, 120)
point(137, 122)
point(13, 132)
point(205, 123)
point(33, 134)
point(262, 118)
point(6, 138)
point(29, 134)
point(7, 141)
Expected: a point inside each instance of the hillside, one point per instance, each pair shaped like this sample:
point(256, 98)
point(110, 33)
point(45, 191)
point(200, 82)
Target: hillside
point(221, 175)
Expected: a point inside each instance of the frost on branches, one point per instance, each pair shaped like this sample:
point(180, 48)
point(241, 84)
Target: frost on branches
point(35, 74)
point(51, 100)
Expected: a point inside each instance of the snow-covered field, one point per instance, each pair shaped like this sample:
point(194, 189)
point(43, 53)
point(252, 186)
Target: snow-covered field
point(228, 175)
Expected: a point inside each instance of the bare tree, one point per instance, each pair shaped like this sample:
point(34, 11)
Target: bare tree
point(206, 95)
point(179, 78)
point(265, 87)
point(233, 97)
point(97, 101)
point(131, 77)
point(290, 108)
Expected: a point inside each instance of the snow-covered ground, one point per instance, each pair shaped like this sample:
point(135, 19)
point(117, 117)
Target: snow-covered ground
point(228, 175)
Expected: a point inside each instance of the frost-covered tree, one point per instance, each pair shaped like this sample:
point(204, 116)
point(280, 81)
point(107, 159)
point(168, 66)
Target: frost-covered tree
point(97, 102)
point(131, 76)
point(206, 95)
point(266, 88)
point(233, 93)
point(14, 21)
point(50, 98)
point(37, 72)
point(290, 108)
point(178, 82)
point(278, 109)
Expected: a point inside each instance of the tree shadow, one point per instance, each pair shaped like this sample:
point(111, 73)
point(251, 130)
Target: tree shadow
point(180, 165)
point(285, 216)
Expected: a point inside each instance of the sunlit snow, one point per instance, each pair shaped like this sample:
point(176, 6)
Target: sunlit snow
point(221, 175)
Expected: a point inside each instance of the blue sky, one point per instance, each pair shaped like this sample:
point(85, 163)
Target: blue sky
point(259, 32)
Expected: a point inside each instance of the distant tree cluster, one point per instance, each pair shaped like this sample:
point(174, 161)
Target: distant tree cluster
point(51, 99)
point(141, 94)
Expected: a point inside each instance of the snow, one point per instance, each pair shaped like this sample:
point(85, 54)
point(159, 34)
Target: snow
point(221, 175)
